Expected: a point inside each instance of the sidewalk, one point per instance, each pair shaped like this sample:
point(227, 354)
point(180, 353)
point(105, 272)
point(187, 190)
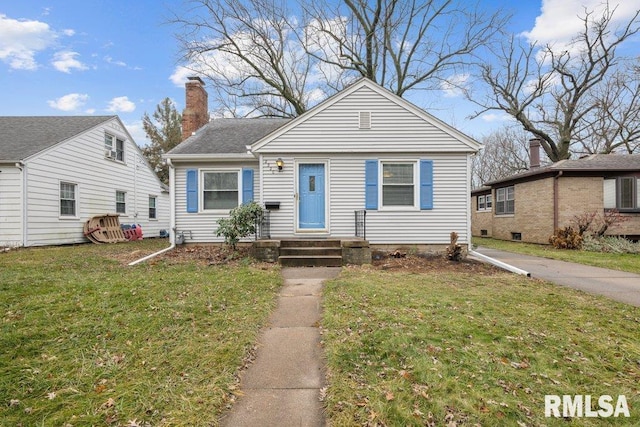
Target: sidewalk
point(282, 386)
point(617, 285)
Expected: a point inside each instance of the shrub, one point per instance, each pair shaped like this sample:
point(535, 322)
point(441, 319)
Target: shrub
point(240, 223)
point(566, 238)
point(596, 224)
point(610, 244)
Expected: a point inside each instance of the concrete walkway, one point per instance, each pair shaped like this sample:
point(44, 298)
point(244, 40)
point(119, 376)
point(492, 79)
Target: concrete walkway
point(282, 386)
point(617, 285)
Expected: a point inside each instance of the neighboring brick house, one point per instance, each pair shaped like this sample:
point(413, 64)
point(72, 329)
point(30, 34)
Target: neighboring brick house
point(531, 205)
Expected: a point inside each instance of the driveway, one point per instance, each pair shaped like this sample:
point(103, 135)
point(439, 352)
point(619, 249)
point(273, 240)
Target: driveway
point(617, 285)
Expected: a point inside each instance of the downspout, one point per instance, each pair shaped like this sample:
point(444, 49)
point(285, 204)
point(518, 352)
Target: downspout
point(556, 215)
point(469, 201)
point(499, 264)
point(23, 170)
point(172, 216)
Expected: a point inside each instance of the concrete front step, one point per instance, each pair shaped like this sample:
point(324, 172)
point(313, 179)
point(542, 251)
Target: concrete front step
point(310, 243)
point(311, 251)
point(310, 261)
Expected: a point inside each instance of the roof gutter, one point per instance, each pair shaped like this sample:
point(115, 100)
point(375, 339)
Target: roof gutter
point(223, 157)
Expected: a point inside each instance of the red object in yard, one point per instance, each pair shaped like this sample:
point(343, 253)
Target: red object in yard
point(132, 232)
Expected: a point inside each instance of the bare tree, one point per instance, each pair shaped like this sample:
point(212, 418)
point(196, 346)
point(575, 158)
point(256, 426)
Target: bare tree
point(401, 45)
point(249, 51)
point(504, 152)
point(550, 93)
point(614, 125)
point(262, 59)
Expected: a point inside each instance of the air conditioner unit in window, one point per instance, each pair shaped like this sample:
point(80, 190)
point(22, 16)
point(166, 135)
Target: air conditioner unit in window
point(110, 154)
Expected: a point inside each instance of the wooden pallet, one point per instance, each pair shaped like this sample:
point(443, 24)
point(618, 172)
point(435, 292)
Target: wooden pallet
point(104, 229)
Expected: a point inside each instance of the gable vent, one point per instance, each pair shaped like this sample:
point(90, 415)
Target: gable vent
point(365, 119)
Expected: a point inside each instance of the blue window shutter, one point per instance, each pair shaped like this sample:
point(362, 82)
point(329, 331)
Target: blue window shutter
point(426, 184)
point(247, 185)
point(192, 190)
point(371, 184)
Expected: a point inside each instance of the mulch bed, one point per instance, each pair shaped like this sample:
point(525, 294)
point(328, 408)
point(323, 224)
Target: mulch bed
point(210, 255)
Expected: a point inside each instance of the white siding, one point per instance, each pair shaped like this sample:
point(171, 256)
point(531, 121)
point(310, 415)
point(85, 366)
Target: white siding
point(336, 129)
point(201, 227)
point(10, 206)
point(81, 161)
point(346, 195)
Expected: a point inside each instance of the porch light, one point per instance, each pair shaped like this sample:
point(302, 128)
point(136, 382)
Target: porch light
point(279, 163)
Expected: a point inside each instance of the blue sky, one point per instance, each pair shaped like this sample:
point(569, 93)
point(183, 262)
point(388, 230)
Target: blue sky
point(86, 57)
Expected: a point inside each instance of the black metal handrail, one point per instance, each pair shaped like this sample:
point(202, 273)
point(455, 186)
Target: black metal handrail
point(361, 224)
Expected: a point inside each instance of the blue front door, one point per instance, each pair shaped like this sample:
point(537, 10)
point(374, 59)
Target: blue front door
point(311, 208)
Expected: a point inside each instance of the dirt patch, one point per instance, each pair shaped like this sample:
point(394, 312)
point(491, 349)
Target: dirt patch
point(210, 255)
point(428, 263)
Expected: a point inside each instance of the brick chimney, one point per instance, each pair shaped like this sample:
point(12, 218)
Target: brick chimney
point(196, 112)
point(534, 153)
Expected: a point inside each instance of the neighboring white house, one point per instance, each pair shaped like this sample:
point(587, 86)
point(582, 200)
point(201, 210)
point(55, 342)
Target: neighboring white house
point(58, 171)
point(362, 149)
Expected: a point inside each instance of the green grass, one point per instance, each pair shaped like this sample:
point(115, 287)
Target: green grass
point(622, 262)
point(86, 340)
point(426, 349)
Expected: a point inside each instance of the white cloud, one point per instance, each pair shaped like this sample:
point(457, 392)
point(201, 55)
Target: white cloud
point(121, 104)
point(21, 40)
point(65, 61)
point(560, 20)
point(179, 76)
point(454, 85)
point(112, 61)
point(137, 132)
point(70, 102)
point(496, 117)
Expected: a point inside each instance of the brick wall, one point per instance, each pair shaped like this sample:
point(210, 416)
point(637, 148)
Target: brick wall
point(533, 217)
point(480, 220)
point(577, 196)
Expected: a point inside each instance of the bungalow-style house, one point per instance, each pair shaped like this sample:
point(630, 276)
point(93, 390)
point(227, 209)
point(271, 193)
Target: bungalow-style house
point(57, 172)
point(530, 206)
point(363, 149)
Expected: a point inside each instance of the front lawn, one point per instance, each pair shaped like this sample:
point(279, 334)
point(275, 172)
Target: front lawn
point(406, 349)
point(621, 262)
point(86, 340)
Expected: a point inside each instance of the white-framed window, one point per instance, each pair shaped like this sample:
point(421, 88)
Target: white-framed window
point(113, 147)
point(121, 202)
point(68, 199)
point(484, 202)
point(220, 189)
point(622, 193)
point(153, 213)
point(399, 184)
point(505, 200)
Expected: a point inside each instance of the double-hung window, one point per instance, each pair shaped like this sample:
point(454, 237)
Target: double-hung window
point(152, 207)
point(505, 200)
point(220, 190)
point(622, 193)
point(68, 194)
point(121, 202)
point(398, 184)
point(484, 202)
point(114, 147)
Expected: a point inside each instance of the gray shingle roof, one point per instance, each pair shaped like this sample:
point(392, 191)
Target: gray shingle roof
point(24, 136)
point(228, 136)
point(590, 164)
